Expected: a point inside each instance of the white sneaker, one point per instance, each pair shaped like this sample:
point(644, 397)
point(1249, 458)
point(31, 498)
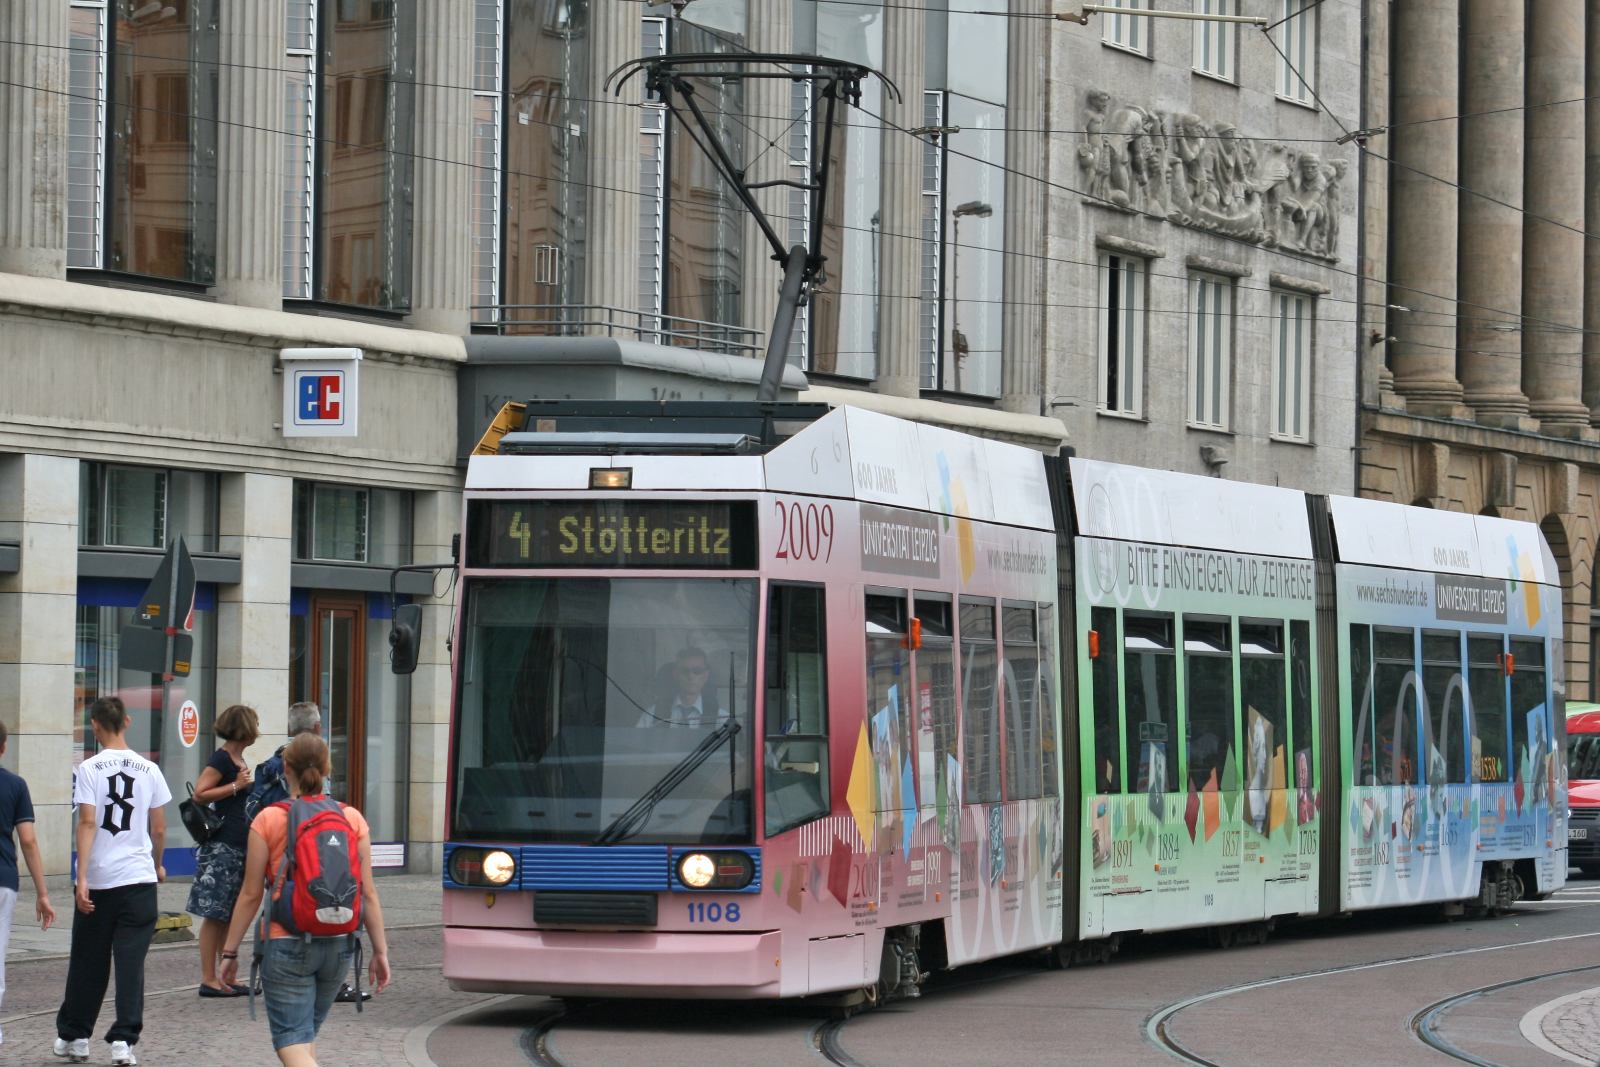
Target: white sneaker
point(122, 1054)
point(73, 1051)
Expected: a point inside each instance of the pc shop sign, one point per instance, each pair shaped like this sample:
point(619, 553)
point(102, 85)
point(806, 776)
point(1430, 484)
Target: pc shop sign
point(321, 391)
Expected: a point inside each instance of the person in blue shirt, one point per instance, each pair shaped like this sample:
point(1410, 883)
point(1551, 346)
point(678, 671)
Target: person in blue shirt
point(16, 825)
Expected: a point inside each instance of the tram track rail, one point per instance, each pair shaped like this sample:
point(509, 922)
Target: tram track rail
point(1158, 1026)
point(535, 1040)
point(1425, 1022)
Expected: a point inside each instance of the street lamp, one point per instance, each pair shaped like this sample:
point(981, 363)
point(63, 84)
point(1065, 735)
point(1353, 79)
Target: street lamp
point(958, 342)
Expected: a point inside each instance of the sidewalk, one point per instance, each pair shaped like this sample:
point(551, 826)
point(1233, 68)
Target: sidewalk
point(408, 900)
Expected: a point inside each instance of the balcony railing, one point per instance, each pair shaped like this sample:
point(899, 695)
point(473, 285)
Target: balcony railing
point(599, 320)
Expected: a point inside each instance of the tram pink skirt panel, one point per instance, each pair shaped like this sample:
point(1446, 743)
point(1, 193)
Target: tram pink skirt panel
point(564, 963)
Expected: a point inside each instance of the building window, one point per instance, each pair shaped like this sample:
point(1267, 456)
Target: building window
point(347, 198)
point(652, 186)
point(351, 524)
point(837, 332)
point(1297, 37)
point(144, 507)
point(932, 239)
point(1215, 43)
point(104, 607)
point(142, 126)
point(970, 201)
point(1293, 315)
point(487, 82)
point(1210, 350)
point(704, 219)
point(543, 162)
point(1122, 282)
point(1126, 31)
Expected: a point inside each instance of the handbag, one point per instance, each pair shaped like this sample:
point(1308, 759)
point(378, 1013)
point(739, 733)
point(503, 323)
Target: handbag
point(202, 820)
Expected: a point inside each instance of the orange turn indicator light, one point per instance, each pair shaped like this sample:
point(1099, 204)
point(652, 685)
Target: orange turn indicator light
point(1094, 644)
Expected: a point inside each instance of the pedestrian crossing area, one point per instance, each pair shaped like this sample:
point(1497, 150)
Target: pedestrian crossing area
point(1579, 892)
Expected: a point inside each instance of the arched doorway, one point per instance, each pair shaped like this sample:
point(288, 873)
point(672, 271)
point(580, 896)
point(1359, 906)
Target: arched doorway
point(1568, 661)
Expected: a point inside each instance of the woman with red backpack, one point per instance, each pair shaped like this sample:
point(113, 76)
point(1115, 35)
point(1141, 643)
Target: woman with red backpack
point(316, 854)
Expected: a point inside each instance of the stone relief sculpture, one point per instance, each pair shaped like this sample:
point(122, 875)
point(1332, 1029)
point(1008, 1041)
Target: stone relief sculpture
point(1179, 167)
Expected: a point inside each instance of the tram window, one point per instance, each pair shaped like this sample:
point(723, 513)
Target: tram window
point(1019, 632)
point(889, 710)
point(1446, 704)
point(1362, 706)
point(1150, 664)
point(1395, 699)
point(1104, 701)
point(1262, 690)
point(1486, 679)
point(796, 707)
point(1208, 662)
point(1301, 709)
point(980, 727)
point(936, 692)
point(1049, 711)
point(1530, 733)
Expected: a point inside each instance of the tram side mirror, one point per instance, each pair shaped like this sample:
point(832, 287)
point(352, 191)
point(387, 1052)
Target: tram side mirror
point(404, 638)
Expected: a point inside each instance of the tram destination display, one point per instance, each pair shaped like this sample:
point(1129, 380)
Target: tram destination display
point(612, 533)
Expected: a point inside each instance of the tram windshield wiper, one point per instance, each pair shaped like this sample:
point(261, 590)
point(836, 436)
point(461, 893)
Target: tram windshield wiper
point(633, 820)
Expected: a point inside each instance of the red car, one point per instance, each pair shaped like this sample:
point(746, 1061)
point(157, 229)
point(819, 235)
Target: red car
point(1583, 786)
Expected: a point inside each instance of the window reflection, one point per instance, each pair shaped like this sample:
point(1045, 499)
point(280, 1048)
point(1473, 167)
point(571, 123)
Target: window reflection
point(705, 221)
point(364, 151)
point(161, 176)
point(547, 118)
point(974, 247)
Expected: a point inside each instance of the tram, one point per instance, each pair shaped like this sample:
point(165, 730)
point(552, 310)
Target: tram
point(777, 700)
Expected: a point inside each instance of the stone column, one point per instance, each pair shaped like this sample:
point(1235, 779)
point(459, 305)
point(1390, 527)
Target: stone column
point(768, 106)
point(38, 612)
point(1371, 177)
point(33, 138)
point(900, 273)
point(250, 161)
point(1552, 251)
point(1591, 248)
point(442, 249)
point(1022, 349)
point(437, 517)
point(1491, 235)
point(1422, 253)
point(257, 522)
point(611, 268)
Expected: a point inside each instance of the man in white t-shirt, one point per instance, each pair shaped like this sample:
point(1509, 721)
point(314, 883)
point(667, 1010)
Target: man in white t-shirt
point(121, 832)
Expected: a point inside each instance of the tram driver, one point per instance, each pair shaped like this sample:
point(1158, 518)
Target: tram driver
point(693, 702)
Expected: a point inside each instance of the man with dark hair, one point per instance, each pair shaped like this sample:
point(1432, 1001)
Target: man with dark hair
point(690, 703)
point(16, 817)
point(121, 833)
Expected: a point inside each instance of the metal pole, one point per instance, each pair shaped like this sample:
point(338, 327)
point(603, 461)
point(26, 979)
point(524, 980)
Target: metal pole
point(794, 273)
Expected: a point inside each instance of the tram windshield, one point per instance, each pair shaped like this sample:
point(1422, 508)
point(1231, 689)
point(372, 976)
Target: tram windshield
point(579, 697)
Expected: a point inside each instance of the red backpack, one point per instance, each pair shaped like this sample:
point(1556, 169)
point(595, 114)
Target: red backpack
point(321, 871)
point(320, 878)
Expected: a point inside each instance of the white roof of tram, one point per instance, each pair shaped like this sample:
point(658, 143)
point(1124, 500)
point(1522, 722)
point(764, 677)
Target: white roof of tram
point(849, 453)
point(1381, 533)
point(1167, 508)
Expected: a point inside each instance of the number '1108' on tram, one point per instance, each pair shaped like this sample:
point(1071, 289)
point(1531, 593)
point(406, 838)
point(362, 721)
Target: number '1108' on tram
point(782, 701)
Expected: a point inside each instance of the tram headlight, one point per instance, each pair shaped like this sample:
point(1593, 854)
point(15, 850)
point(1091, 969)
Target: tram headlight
point(727, 870)
point(697, 870)
point(498, 867)
point(494, 868)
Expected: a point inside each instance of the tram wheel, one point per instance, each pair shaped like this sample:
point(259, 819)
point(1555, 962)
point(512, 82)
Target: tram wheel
point(1221, 936)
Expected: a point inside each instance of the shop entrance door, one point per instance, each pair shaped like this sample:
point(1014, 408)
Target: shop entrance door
point(339, 671)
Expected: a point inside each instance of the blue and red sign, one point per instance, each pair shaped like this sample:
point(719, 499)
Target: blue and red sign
point(320, 391)
point(319, 397)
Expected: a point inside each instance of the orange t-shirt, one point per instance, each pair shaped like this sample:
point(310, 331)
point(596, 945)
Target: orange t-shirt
point(272, 826)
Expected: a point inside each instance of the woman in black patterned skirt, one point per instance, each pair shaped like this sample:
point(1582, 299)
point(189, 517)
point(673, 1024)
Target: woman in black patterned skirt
point(219, 864)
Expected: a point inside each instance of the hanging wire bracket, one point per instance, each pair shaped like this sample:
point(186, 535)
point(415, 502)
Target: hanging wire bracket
point(673, 80)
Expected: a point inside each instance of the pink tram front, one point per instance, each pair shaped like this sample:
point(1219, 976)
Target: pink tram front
point(748, 719)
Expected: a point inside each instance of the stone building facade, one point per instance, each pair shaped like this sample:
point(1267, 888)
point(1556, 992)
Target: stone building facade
point(1203, 242)
point(1482, 384)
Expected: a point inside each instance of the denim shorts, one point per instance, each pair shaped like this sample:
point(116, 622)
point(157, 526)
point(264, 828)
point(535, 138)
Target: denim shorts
point(299, 980)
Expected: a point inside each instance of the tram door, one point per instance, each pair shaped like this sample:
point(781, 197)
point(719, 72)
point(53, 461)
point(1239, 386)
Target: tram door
point(337, 640)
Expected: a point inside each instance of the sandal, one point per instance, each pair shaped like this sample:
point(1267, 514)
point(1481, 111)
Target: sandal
point(231, 991)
